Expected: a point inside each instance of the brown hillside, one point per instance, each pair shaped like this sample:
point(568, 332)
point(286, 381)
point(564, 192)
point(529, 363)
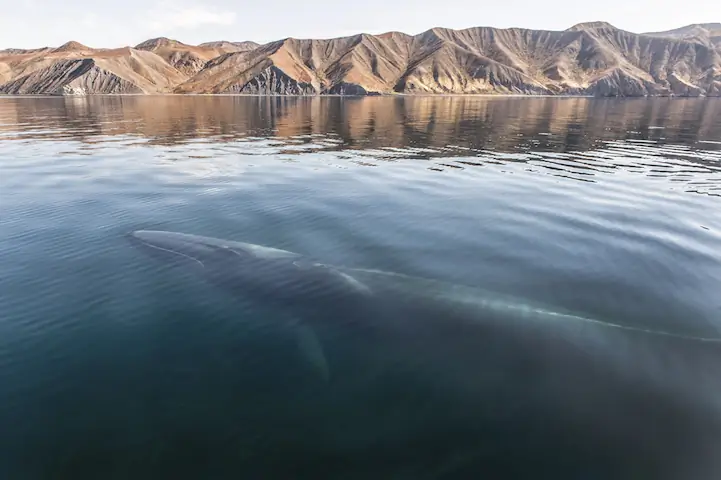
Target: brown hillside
point(123, 70)
point(190, 59)
point(591, 59)
point(587, 59)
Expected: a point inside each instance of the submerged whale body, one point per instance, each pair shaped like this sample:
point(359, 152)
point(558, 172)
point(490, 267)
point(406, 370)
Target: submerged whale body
point(485, 385)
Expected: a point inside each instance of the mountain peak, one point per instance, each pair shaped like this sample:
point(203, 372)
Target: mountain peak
point(709, 26)
point(695, 29)
point(230, 46)
point(217, 43)
point(592, 26)
point(72, 46)
point(155, 43)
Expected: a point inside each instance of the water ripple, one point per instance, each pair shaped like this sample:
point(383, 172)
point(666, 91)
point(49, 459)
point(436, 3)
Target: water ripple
point(602, 207)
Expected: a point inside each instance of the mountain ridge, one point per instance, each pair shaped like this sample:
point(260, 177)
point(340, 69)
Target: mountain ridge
point(591, 58)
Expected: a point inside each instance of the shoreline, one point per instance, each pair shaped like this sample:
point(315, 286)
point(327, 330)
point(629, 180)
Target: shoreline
point(382, 95)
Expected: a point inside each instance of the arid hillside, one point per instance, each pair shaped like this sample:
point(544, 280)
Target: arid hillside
point(76, 69)
point(587, 59)
point(190, 59)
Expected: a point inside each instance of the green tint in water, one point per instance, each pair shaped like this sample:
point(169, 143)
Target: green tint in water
point(113, 365)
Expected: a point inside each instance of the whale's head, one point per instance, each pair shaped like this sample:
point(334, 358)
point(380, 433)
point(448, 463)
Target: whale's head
point(207, 252)
point(251, 269)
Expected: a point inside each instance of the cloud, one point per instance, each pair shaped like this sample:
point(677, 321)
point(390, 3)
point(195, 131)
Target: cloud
point(167, 16)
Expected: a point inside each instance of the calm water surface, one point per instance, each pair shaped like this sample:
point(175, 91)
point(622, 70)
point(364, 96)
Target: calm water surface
point(115, 365)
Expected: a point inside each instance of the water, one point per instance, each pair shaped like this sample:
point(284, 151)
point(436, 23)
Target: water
point(115, 365)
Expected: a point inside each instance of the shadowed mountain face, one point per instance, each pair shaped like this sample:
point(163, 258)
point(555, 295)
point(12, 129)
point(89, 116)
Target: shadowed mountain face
point(587, 59)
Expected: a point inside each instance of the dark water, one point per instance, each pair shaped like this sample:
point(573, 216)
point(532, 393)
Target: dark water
point(115, 365)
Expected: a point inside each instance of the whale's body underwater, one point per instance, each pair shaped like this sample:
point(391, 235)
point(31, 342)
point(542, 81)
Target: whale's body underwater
point(608, 401)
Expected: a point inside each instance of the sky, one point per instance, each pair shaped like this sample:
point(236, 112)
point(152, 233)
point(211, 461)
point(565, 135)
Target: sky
point(102, 23)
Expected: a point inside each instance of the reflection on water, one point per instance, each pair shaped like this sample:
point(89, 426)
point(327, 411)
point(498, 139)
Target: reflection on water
point(113, 365)
point(571, 137)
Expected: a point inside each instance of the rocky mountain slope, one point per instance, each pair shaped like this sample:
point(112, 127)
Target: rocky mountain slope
point(190, 59)
point(76, 69)
point(587, 59)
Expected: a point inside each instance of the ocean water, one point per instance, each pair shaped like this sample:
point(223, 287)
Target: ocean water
point(114, 364)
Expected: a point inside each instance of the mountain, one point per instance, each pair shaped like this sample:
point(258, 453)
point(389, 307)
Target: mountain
point(188, 59)
point(593, 58)
point(72, 46)
point(708, 34)
point(74, 69)
point(15, 62)
point(691, 31)
point(587, 59)
point(229, 47)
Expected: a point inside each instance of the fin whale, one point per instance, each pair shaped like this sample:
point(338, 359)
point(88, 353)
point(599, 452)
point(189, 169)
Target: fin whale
point(615, 401)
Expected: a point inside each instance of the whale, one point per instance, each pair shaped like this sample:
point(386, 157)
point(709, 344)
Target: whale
point(580, 397)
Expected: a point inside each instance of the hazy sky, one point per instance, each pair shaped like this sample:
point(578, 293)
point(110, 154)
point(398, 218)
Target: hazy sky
point(101, 23)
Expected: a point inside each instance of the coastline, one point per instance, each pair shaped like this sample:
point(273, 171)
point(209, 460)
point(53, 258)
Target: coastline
point(381, 95)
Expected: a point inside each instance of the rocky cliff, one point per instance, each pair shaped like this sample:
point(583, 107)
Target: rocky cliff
point(587, 59)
